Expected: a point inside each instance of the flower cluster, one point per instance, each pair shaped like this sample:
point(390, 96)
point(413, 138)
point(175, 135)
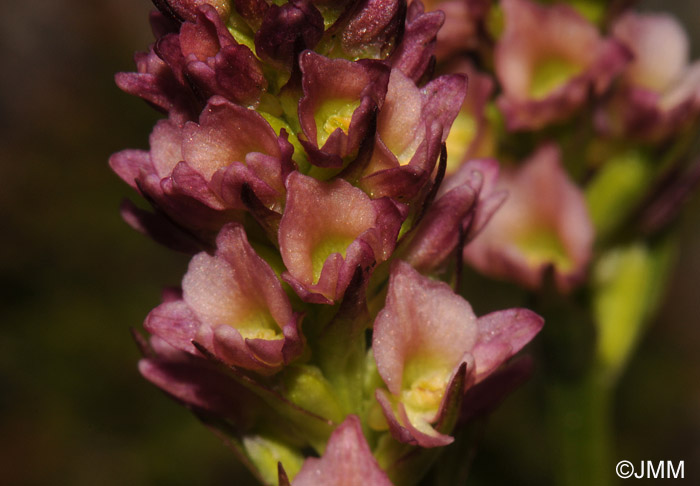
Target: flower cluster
point(581, 102)
point(301, 162)
point(330, 174)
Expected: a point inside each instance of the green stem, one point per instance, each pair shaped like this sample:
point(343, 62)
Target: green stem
point(580, 429)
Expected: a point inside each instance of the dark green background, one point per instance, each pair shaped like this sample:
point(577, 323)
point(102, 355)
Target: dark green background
point(74, 278)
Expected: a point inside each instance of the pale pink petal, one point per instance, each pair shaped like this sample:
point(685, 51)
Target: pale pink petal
point(226, 133)
point(424, 323)
point(244, 314)
point(501, 335)
point(660, 47)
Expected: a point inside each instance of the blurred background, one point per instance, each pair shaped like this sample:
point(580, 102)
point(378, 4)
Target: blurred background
point(74, 279)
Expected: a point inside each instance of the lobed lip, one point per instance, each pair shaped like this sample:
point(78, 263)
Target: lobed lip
point(324, 80)
point(195, 173)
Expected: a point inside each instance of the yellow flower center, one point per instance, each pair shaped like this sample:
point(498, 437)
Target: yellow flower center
point(458, 141)
point(425, 393)
point(550, 74)
point(259, 325)
point(543, 245)
point(334, 114)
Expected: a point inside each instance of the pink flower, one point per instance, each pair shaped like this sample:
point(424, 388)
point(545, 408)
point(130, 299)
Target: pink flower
point(233, 305)
point(548, 60)
point(338, 99)
point(328, 230)
point(411, 127)
point(195, 174)
point(660, 90)
point(430, 347)
point(544, 222)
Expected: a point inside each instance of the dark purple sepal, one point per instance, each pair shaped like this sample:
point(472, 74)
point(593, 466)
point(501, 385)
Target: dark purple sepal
point(216, 63)
point(443, 97)
point(173, 188)
point(157, 84)
point(187, 9)
point(396, 169)
point(175, 323)
point(441, 228)
point(286, 31)
point(268, 219)
point(228, 183)
point(372, 28)
point(282, 479)
point(413, 54)
point(490, 198)
point(186, 181)
point(160, 228)
point(198, 384)
point(129, 163)
point(403, 182)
